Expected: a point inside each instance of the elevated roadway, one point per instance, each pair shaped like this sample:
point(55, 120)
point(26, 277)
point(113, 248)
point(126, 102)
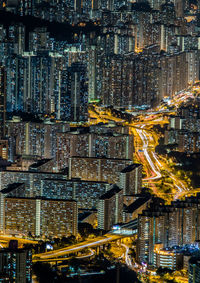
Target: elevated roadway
point(99, 241)
point(126, 230)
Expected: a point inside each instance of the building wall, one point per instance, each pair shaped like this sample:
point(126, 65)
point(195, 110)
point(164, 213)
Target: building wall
point(35, 138)
point(131, 182)
point(58, 218)
point(173, 225)
point(85, 193)
point(17, 265)
point(110, 211)
point(97, 169)
point(168, 259)
point(20, 216)
point(39, 216)
point(194, 271)
point(93, 145)
point(32, 180)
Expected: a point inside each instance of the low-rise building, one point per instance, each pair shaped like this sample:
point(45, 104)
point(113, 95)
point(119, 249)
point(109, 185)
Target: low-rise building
point(167, 258)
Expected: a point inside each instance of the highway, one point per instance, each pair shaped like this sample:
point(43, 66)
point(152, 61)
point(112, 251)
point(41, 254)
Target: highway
point(145, 149)
point(145, 141)
point(127, 257)
point(60, 259)
point(155, 166)
point(5, 239)
point(78, 247)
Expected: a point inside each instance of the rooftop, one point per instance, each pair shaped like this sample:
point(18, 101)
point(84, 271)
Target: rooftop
point(11, 187)
point(115, 189)
point(103, 158)
point(131, 167)
point(139, 202)
point(39, 163)
point(75, 180)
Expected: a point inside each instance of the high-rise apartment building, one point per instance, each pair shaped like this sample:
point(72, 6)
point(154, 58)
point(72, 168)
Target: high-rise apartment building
point(4, 149)
point(109, 128)
point(179, 7)
point(31, 180)
point(97, 169)
point(75, 101)
point(2, 101)
point(39, 40)
point(183, 130)
point(42, 82)
point(194, 270)
point(16, 265)
point(71, 144)
point(117, 83)
point(38, 216)
point(110, 208)
point(130, 179)
point(150, 232)
point(86, 193)
point(35, 138)
point(25, 7)
point(112, 146)
point(171, 225)
point(77, 143)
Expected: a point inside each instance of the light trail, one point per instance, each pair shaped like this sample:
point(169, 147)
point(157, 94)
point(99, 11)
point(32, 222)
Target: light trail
point(155, 166)
point(67, 250)
point(143, 137)
point(127, 257)
point(155, 157)
point(145, 153)
point(85, 256)
point(76, 248)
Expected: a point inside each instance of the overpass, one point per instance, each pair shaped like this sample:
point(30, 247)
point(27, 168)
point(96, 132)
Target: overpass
point(5, 239)
point(93, 243)
point(61, 259)
point(98, 241)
